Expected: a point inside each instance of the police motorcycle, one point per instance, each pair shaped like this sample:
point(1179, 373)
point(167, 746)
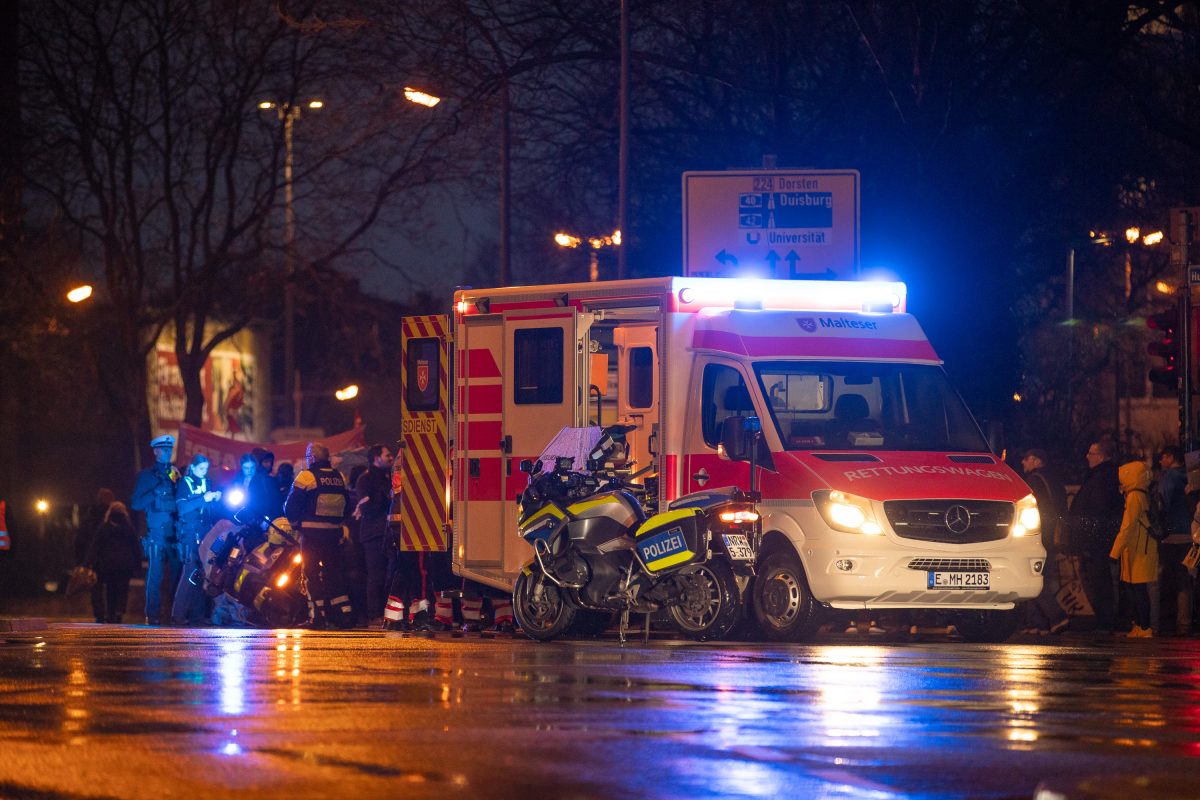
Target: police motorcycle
point(257, 563)
point(596, 552)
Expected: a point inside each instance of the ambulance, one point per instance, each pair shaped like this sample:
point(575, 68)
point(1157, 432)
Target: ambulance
point(879, 488)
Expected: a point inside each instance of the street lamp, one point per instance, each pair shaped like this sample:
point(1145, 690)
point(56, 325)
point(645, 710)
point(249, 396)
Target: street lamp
point(80, 293)
point(595, 245)
point(348, 393)
point(421, 98)
point(288, 114)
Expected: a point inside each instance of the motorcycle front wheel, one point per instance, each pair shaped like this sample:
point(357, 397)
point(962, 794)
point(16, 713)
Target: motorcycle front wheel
point(710, 605)
point(541, 608)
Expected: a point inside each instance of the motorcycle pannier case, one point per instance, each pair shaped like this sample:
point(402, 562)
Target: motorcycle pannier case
point(672, 539)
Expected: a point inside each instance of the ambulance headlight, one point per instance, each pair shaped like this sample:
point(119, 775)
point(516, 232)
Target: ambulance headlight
point(847, 512)
point(1029, 521)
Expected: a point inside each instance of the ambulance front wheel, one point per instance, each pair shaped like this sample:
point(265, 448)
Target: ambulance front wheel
point(541, 608)
point(783, 604)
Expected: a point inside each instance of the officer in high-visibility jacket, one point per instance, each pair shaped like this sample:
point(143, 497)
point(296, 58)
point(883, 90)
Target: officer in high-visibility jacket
point(317, 507)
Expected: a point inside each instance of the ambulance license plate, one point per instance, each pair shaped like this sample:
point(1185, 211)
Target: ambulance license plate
point(959, 580)
point(738, 547)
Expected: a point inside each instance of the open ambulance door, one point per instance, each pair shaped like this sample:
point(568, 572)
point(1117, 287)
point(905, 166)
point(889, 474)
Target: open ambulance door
point(519, 383)
point(420, 473)
point(638, 393)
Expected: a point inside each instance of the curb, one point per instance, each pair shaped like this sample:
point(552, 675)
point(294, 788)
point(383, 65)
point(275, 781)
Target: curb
point(22, 624)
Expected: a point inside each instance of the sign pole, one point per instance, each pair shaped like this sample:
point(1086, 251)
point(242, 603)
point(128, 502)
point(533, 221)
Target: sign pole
point(1185, 331)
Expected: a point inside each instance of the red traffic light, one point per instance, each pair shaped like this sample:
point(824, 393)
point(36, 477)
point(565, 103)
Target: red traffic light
point(1166, 348)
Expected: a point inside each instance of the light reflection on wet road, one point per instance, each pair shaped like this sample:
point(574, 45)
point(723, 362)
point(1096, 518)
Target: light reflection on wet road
point(91, 712)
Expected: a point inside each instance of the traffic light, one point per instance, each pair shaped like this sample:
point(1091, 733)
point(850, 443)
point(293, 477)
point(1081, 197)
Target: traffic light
point(1166, 348)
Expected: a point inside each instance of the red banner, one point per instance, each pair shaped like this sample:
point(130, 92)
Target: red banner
point(4, 541)
point(226, 453)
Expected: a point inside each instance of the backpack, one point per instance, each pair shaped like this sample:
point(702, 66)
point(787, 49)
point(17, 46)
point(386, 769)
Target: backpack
point(1155, 514)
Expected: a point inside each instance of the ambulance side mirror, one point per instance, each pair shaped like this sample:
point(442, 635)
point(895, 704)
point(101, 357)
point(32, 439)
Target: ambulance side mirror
point(738, 435)
point(527, 466)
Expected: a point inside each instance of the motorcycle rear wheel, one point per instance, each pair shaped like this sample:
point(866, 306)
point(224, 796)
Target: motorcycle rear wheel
point(711, 605)
point(541, 608)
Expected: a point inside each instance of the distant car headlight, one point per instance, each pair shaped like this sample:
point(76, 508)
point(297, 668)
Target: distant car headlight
point(1029, 521)
point(847, 512)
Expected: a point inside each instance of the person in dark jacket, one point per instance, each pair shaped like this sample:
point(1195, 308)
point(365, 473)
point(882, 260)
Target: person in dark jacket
point(373, 498)
point(1045, 615)
point(154, 494)
point(264, 489)
point(193, 502)
point(92, 522)
point(1092, 523)
point(115, 554)
point(1174, 578)
point(317, 507)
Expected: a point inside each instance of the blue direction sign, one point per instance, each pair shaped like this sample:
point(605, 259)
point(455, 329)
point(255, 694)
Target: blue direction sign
point(773, 223)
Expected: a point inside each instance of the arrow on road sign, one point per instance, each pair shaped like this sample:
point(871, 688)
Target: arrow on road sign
point(827, 275)
point(792, 260)
point(772, 260)
point(727, 259)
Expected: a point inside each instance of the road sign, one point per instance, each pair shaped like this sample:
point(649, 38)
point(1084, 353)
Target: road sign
point(771, 223)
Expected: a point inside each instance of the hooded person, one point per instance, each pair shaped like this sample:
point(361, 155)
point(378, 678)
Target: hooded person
point(1135, 548)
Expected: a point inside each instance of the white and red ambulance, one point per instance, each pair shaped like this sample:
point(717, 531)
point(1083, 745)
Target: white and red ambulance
point(879, 489)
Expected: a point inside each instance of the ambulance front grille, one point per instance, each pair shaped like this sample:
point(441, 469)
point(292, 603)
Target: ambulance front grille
point(950, 521)
point(951, 564)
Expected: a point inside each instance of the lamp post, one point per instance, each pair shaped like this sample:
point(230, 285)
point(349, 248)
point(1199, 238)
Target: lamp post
point(288, 114)
point(595, 245)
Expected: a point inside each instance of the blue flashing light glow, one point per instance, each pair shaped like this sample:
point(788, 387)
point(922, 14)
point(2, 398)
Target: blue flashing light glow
point(235, 498)
point(231, 749)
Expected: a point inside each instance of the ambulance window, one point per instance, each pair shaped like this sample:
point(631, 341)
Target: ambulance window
point(724, 395)
point(538, 366)
point(423, 375)
point(641, 377)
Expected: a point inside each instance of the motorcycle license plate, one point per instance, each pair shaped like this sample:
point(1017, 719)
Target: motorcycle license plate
point(959, 580)
point(738, 547)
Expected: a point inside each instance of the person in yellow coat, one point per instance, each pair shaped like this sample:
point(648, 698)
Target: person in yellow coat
point(1134, 547)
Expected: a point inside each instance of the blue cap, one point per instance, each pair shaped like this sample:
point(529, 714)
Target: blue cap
point(166, 440)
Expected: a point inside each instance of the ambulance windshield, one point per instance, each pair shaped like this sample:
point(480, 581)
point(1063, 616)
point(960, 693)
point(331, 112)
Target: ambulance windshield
point(827, 405)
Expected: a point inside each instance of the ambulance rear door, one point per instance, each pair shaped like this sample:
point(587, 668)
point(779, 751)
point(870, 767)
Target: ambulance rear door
point(543, 392)
point(420, 474)
point(639, 391)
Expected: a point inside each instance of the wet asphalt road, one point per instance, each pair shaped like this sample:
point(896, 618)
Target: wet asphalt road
point(98, 712)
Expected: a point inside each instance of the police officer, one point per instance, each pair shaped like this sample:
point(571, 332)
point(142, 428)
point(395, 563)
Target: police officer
point(193, 499)
point(317, 506)
point(154, 493)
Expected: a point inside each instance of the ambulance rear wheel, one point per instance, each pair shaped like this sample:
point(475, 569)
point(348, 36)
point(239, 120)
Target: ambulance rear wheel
point(540, 607)
point(783, 604)
point(985, 626)
point(711, 603)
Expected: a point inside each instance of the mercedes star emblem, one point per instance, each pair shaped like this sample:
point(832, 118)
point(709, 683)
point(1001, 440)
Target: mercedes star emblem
point(958, 518)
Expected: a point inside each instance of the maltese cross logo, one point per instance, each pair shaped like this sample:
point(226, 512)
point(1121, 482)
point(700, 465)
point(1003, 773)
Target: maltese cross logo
point(807, 324)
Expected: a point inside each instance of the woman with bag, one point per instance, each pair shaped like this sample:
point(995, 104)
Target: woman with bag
point(1135, 548)
point(116, 555)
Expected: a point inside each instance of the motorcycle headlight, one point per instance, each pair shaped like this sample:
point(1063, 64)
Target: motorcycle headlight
point(847, 512)
point(1029, 521)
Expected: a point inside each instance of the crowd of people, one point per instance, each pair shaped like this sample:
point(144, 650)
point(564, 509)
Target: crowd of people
point(1123, 540)
point(356, 572)
point(1116, 552)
